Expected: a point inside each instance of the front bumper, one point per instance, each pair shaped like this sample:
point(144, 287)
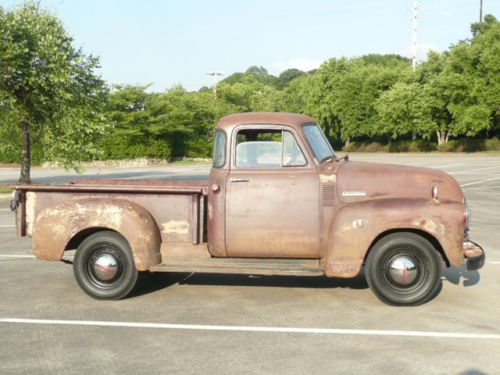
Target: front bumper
point(474, 255)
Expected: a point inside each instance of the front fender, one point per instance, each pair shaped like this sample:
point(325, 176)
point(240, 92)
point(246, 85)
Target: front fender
point(355, 226)
point(57, 225)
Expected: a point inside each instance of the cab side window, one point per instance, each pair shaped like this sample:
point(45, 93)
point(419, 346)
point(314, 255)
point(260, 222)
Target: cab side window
point(219, 157)
point(292, 154)
point(266, 148)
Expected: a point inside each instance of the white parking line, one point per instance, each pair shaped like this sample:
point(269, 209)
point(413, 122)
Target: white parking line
point(202, 327)
point(5, 209)
point(494, 262)
point(480, 181)
point(445, 166)
point(7, 226)
point(475, 170)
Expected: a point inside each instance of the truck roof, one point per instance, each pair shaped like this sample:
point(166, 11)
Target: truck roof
point(278, 118)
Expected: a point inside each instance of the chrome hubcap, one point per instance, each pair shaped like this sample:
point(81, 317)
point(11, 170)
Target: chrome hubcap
point(403, 270)
point(105, 267)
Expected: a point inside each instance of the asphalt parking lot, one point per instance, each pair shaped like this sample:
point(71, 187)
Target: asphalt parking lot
point(195, 323)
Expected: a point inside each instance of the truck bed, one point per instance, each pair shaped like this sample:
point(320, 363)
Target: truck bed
point(177, 206)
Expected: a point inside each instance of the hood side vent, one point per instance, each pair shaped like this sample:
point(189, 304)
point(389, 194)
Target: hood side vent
point(327, 194)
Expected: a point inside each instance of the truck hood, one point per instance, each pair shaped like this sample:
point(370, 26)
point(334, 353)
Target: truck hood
point(363, 181)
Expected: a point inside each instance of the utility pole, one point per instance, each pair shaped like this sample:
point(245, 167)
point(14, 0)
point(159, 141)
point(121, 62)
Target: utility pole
point(215, 75)
point(414, 48)
point(480, 10)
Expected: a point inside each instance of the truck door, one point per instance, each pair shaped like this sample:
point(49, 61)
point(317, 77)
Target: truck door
point(272, 195)
point(217, 196)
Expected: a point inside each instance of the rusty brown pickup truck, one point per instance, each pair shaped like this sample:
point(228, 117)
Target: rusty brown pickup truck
point(277, 202)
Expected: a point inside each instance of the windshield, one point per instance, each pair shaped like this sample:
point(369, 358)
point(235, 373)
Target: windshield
point(318, 142)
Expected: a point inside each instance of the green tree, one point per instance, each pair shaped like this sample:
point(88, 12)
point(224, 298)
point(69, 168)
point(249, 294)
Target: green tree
point(461, 87)
point(341, 95)
point(128, 113)
point(128, 110)
point(48, 89)
point(233, 78)
point(160, 125)
point(261, 75)
point(288, 76)
point(484, 63)
point(298, 95)
point(401, 111)
point(254, 73)
point(248, 95)
point(184, 119)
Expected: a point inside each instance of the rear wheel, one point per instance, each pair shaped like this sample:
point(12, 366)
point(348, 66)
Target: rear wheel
point(404, 269)
point(104, 266)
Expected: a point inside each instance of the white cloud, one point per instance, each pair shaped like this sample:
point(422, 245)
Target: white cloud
point(302, 64)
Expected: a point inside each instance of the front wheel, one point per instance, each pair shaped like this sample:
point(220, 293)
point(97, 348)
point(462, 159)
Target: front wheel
point(104, 266)
point(404, 269)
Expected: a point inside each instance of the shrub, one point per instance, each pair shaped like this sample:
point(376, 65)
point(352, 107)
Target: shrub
point(401, 146)
point(351, 147)
point(374, 147)
point(119, 148)
point(448, 146)
point(492, 144)
point(417, 145)
point(365, 147)
point(199, 147)
point(466, 145)
point(422, 145)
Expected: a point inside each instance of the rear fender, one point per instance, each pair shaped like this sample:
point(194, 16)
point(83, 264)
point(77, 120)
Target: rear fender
point(356, 226)
point(57, 225)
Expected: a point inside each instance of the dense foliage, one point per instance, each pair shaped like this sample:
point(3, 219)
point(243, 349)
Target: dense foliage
point(49, 94)
point(50, 87)
point(373, 98)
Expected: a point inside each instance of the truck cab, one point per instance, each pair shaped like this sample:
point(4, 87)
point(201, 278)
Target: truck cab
point(264, 189)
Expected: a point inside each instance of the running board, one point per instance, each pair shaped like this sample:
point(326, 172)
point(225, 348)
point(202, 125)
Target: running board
point(247, 266)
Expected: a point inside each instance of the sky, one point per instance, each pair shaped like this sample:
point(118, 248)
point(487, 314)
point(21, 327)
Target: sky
point(166, 42)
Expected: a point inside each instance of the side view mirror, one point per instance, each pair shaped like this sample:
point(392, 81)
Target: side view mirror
point(14, 203)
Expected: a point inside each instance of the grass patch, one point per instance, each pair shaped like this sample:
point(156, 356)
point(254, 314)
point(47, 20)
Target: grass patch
point(190, 161)
point(4, 189)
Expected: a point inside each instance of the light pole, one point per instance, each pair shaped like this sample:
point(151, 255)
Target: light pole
point(414, 36)
point(480, 10)
point(215, 75)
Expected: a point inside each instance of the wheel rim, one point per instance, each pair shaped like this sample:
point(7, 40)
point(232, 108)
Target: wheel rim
point(105, 267)
point(404, 271)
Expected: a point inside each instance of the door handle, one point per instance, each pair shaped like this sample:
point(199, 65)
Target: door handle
point(234, 180)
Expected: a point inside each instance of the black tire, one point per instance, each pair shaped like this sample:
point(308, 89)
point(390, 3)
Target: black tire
point(390, 275)
point(105, 245)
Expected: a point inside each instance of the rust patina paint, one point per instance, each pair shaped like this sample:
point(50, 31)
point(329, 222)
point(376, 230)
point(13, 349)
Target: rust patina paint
point(391, 197)
point(384, 197)
point(329, 213)
point(56, 225)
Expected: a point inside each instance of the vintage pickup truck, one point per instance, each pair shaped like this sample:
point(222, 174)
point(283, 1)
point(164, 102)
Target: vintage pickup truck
point(277, 202)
